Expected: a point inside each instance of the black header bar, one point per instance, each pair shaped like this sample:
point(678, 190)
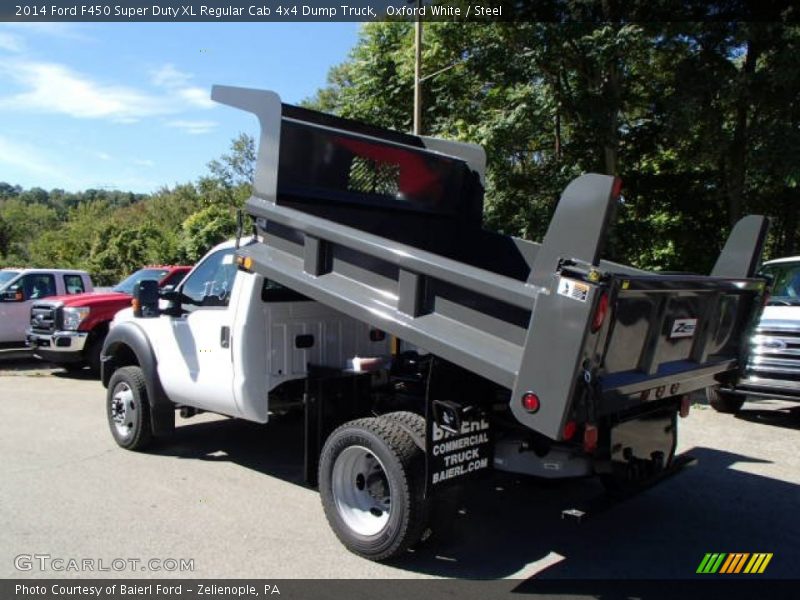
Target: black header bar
point(554, 11)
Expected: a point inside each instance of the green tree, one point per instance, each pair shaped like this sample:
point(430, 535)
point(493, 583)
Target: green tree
point(204, 229)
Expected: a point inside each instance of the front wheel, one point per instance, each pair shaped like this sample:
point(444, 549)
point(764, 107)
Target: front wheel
point(128, 410)
point(372, 487)
point(724, 402)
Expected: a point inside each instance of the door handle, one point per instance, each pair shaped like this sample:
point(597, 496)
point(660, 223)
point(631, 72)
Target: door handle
point(225, 336)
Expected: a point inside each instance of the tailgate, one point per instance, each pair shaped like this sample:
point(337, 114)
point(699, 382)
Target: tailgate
point(673, 334)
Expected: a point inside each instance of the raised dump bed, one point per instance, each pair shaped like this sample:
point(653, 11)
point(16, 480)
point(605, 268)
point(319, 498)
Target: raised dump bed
point(386, 227)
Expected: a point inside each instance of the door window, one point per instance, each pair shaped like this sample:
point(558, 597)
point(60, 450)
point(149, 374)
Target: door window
point(211, 282)
point(174, 279)
point(74, 284)
point(38, 285)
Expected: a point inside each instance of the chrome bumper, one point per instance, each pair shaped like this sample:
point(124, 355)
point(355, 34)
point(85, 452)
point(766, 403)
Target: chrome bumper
point(59, 341)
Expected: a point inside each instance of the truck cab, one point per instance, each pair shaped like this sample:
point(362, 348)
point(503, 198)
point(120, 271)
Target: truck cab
point(21, 288)
point(232, 342)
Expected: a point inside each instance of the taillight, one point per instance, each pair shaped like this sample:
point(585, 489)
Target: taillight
point(570, 427)
point(530, 402)
point(590, 436)
point(600, 312)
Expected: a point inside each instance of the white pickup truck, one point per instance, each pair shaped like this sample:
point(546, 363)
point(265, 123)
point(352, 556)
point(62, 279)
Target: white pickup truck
point(772, 369)
point(19, 288)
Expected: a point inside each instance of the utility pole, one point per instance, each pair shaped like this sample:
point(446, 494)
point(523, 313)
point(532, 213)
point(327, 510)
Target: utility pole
point(418, 72)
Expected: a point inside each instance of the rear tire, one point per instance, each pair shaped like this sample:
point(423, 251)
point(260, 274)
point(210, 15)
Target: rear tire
point(412, 422)
point(128, 409)
point(372, 483)
point(724, 402)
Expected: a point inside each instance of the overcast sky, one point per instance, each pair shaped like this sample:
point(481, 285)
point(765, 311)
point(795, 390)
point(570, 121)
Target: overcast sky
point(126, 106)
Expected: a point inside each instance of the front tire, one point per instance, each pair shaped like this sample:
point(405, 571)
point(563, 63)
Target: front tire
point(372, 483)
point(724, 402)
point(128, 410)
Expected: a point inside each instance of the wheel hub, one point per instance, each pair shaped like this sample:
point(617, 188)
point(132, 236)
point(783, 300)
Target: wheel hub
point(361, 491)
point(123, 409)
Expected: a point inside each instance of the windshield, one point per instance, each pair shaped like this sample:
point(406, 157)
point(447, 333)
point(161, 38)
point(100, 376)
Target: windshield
point(126, 286)
point(6, 276)
point(785, 281)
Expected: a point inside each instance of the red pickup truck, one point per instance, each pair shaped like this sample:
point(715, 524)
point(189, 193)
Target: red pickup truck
point(70, 330)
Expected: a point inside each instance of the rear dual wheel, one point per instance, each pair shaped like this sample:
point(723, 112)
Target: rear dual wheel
point(372, 484)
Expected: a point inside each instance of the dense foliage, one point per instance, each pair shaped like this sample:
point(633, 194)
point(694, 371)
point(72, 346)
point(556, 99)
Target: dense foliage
point(700, 120)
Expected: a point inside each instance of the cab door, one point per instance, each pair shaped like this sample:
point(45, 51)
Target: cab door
point(194, 348)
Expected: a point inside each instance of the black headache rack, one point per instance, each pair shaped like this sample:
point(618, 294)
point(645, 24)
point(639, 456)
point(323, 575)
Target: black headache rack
point(385, 227)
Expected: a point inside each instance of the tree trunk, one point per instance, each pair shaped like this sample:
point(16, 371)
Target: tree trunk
point(611, 145)
point(739, 143)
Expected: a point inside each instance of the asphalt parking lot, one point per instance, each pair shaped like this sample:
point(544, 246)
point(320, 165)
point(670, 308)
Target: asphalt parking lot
point(228, 495)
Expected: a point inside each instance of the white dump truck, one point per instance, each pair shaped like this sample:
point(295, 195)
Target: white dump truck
point(534, 358)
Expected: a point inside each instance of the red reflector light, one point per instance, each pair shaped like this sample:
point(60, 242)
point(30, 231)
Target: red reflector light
point(600, 312)
point(616, 189)
point(590, 436)
point(376, 335)
point(530, 402)
point(685, 405)
point(569, 429)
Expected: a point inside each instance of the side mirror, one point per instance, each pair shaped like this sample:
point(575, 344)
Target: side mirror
point(12, 296)
point(145, 298)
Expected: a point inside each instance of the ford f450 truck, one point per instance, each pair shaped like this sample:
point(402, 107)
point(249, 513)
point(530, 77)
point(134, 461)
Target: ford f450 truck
point(533, 358)
point(772, 365)
point(70, 330)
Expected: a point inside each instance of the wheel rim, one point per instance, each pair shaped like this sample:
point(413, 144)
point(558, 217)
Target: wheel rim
point(123, 409)
point(361, 491)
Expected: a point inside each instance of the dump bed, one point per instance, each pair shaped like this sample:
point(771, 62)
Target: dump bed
point(386, 227)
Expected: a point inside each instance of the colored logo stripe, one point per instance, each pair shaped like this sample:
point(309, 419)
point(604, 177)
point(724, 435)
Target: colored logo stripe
point(711, 562)
point(734, 563)
point(758, 563)
point(722, 562)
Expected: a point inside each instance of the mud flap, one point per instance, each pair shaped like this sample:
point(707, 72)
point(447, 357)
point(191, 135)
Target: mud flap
point(639, 450)
point(458, 434)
